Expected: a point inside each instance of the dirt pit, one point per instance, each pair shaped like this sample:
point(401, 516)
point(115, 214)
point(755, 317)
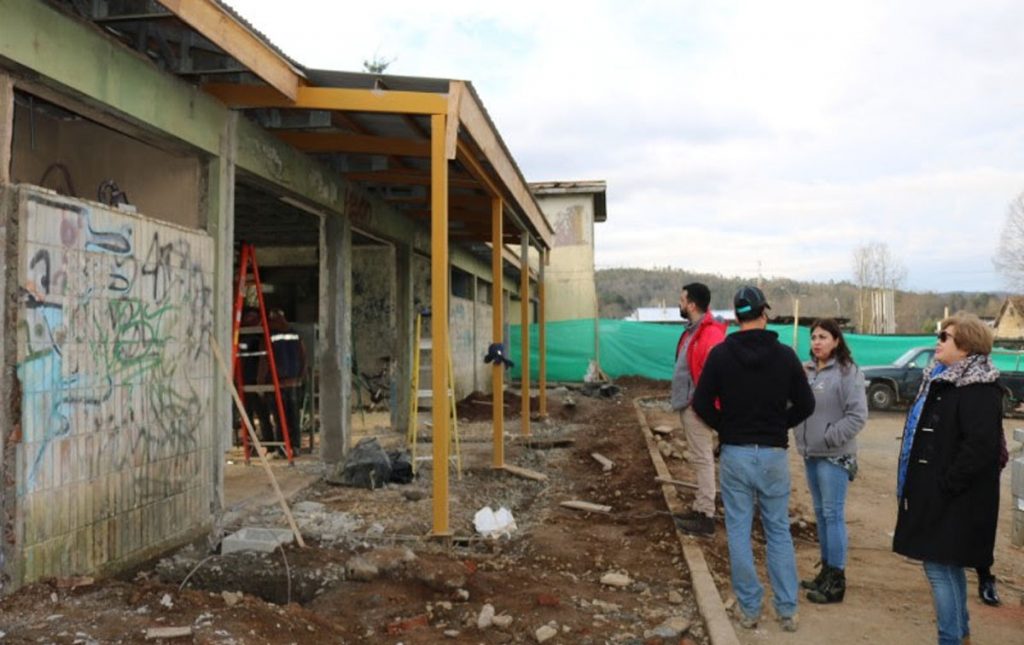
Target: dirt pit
point(371, 572)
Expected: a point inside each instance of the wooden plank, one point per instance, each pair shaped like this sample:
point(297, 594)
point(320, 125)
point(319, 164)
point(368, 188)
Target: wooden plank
point(330, 98)
point(6, 127)
point(525, 473)
point(675, 482)
point(709, 601)
point(586, 506)
point(606, 463)
point(260, 451)
point(216, 24)
point(154, 633)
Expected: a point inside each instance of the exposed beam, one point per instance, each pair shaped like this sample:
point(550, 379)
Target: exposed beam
point(441, 352)
point(354, 143)
point(221, 28)
point(457, 200)
point(330, 98)
point(341, 119)
point(403, 177)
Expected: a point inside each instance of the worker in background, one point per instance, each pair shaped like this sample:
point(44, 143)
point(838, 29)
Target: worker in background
point(290, 360)
point(251, 354)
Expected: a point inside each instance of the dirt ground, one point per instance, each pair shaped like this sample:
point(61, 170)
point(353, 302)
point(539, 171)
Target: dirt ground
point(371, 574)
point(887, 599)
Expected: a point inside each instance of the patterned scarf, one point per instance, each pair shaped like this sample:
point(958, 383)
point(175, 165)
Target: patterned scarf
point(975, 368)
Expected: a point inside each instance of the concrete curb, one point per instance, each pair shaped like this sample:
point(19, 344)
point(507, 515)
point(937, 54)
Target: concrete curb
point(709, 602)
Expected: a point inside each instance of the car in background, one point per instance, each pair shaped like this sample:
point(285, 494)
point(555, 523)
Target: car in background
point(898, 382)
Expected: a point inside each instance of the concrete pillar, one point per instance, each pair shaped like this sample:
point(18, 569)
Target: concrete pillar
point(6, 126)
point(335, 336)
point(219, 213)
point(405, 320)
point(10, 395)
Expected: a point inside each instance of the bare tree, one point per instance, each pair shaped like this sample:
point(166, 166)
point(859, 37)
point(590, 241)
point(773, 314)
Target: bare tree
point(1009, 258)
point(876, 271)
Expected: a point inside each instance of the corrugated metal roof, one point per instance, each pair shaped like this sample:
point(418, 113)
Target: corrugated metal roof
point(260, 35)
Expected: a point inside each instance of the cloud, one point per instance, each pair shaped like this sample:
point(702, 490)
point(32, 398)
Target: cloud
point(732, 135)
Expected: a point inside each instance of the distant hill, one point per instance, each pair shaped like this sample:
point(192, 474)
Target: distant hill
point(620, 291)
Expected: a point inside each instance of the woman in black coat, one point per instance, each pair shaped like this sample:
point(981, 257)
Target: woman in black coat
point(948, 476)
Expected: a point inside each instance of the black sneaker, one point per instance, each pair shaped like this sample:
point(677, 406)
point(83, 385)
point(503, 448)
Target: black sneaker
point(696, 524)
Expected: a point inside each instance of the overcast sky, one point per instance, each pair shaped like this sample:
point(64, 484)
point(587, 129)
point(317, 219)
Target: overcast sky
point(734, 136)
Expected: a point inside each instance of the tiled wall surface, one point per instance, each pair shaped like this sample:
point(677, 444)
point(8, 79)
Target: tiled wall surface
point(116, 374)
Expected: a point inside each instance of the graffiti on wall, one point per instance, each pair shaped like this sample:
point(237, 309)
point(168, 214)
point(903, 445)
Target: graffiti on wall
point(114, 327)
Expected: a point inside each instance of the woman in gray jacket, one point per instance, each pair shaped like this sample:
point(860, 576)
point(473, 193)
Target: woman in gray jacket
point(827, 442)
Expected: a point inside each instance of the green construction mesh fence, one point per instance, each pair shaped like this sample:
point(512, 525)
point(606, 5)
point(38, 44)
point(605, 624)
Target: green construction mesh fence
point(648, 349)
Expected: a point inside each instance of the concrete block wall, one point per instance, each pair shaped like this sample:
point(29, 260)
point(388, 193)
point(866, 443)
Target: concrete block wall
point(116, 448)
point(462, 336)
point(374, 332)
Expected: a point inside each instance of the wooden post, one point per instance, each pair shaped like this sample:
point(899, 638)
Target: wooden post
point(439, 318)
point(524, 326)
point(497, 331)
point(796, 322)
point(542, 337)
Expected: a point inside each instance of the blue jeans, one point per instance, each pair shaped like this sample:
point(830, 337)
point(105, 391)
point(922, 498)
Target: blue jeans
point(949, 593)
point(758, 475)
point(828, 483)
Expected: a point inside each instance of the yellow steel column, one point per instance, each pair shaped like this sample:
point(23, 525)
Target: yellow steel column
point(524, 326)
point(497, 331)
point(542, 340)
point(439, 318)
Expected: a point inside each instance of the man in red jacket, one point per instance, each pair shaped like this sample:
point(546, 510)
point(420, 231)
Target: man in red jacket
point(701, 334)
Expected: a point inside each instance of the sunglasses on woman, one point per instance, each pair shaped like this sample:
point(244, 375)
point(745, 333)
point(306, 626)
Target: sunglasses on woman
point(943, 336)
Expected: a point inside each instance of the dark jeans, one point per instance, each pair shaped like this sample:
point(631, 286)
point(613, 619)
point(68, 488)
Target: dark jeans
point(256, 408)
point(290, 400)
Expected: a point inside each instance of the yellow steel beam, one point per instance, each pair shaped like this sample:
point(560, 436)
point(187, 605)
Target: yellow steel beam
point(542, 323)
point(439, 319)
point(524, 327)
point(497, 332)
point(354, 143)
point(220, 27)
point(330, 98)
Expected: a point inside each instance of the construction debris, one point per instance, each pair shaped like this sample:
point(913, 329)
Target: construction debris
point(587, 506)
point(525, 473)
point(155, 633)
point(675, 482)
point(606, 463)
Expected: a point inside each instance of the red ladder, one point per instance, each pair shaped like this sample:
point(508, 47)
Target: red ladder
point(247, 261)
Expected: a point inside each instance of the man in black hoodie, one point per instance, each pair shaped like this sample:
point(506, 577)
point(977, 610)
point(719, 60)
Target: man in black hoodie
point(753, 389)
